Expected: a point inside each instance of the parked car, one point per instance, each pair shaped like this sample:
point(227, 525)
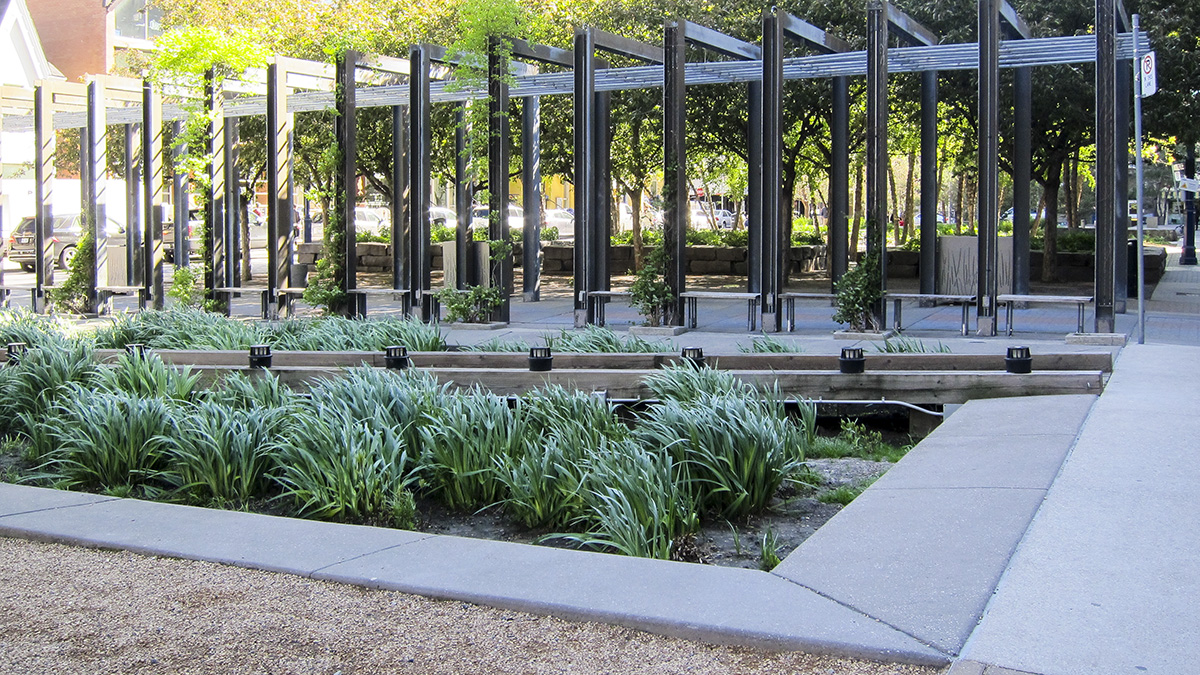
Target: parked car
point(718, 218)
point(195, 220)
point(516, 217)
point(63, 242)
point(562, 219)
point(440, 215)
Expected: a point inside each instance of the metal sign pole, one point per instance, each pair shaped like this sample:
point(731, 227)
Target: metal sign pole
point(1137, 124)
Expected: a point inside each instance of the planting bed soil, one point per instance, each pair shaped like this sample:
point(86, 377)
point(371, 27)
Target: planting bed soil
point(794, 516)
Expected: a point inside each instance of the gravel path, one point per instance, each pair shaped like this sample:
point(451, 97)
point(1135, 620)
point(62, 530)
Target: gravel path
point(65, 609)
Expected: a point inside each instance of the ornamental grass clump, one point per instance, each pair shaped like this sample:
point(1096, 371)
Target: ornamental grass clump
point(334, 467)
point(107, 441)
point(38, 380)
point(634, 503)
point(35, 330)
point(735, 450)
point(463, 445)
point(572, 414)
point(545, 483)
point(220, 455)
point(683, 382)
point(180, 328)
point(384, 398)
point(146, 375)
point(597, 339)
point(263, 390)
point(369, 335)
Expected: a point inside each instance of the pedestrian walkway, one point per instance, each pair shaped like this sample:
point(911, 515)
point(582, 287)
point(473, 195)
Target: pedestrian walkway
point(1107, 579)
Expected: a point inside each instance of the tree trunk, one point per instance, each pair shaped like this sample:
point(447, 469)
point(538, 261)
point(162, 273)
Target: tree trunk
point(891, 174)
point(958, 205)
point(1050, 249)
point(635, 203)
point(858, 205)
point(908, 199)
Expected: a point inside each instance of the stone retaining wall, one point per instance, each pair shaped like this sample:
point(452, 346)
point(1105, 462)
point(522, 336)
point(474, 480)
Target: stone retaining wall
point(558, 259)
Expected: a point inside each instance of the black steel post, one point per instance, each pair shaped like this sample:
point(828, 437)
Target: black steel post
point(1106, 162)
point(152, 176)
point(773, 252)
point(675, 165)
point(1124, 100)
point(467, 272)
point(279, 207)
point(1188, 256)
point(228, 242)
point(877, 154)
point(345, 193)
point(420, 167)
point(531, 198)
point(839, 181)
point(179, 197)
point(929, 184)
point(585, 180)
point(603, 203)
point(754, 191)
point(95, 166)
point(43, 170)
point(401, 253)
point(500, 266)
point(989, 156)
point(133, 205)
point(215, 222)
point(1022, 173)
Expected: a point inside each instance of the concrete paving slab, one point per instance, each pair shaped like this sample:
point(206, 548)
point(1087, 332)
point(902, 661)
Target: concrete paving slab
point(1108, 577)
point(1001, 418)
point(715, 604)
point(945, 461)
point(232, 537)
point(925, 561)
point(17, 499)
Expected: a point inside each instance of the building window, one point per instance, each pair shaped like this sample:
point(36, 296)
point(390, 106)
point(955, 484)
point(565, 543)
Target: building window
point(135, 20)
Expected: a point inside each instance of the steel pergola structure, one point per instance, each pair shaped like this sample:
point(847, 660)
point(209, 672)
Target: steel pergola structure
point(412, 87)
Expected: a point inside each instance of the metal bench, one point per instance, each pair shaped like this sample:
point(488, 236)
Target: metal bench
point(5, 291)
point(263, 293)
point(690, 299)
point(789, 303)
point(105, 295)
point(598, 299)
point(404, 293)
point(898, 298)
point(1008, 300)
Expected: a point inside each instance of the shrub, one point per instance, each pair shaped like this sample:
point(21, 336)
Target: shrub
point(549, 233)
point(650, 294)
point(858, 292)
point(186, 287)
point(474, 305)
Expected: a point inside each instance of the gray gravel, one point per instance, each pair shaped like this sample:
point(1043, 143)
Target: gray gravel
point(72, 610)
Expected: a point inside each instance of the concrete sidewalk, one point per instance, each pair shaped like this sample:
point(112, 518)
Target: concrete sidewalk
point(1107, 579)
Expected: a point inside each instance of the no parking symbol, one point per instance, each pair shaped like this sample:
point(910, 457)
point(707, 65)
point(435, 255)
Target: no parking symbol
point(1148, 74)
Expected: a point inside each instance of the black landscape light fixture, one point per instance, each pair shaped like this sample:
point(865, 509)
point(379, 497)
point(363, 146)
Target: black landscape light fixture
point(136, 349)
point(396, 357)
point(260, 356)
point(1019, 360)
point(852, 361)
point(694, 356)
point(16, 350)
point(540, 359)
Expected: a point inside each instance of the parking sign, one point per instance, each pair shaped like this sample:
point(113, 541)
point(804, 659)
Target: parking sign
point(1148, 74)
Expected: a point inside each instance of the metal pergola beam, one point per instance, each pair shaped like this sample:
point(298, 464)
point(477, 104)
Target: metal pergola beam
point(500, 268)
point(420, 146)
point(214, 210)
point(345, 191)
point(279, 189)
point(152, 176)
